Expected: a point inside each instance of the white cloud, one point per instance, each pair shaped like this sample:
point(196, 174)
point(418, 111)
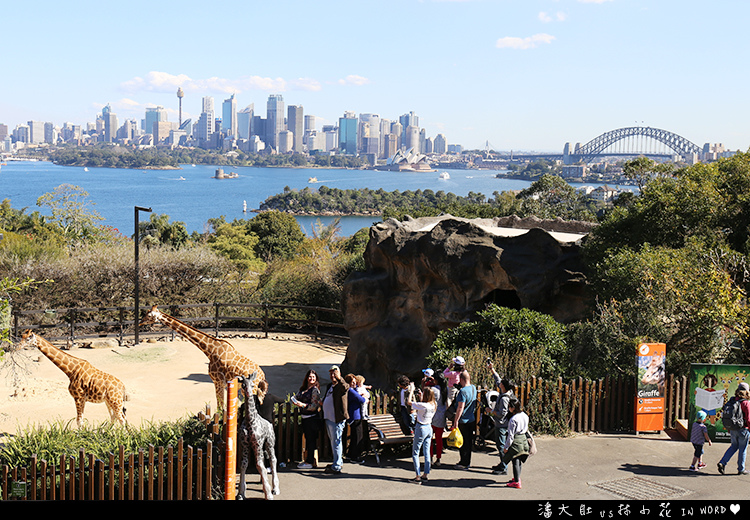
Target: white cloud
point(530, 42)
point(353, 79)
point(164, 82)
point(309, 84)
point(547, 18)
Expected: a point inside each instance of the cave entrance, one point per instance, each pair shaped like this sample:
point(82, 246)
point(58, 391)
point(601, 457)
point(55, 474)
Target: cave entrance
point(503, 298)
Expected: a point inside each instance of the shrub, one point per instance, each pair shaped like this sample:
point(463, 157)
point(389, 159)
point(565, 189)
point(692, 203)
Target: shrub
point(521, 344)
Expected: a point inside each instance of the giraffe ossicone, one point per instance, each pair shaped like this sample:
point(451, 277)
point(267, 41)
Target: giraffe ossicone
point(225, 363)
point(87, 383)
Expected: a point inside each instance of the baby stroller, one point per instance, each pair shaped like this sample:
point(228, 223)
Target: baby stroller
point(486, 426)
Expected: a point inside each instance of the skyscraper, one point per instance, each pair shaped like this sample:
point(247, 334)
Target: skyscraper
point(369, 133)
point(245, 121)
point(406, 121)
point(348, 133)
point(110, 124)
point(154, 115)
point(229, 117)
point(295, 123)
point(274, 119)
point(205, 125)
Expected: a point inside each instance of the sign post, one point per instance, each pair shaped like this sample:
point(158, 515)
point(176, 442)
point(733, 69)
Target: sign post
point(650, 383)
point(230, 416)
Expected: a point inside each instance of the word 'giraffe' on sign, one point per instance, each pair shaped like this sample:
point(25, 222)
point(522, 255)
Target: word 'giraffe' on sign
point(224, 362)
point(87, 383)
point(256, 434)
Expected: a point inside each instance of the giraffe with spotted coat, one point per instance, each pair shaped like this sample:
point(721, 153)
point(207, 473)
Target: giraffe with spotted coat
point(256, 433)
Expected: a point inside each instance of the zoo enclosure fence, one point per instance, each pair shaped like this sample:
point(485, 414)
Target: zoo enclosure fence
point(604, 405)
point(117, 322)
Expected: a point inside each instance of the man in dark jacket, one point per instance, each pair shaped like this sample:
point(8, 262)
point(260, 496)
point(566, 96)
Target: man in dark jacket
point(335, 414)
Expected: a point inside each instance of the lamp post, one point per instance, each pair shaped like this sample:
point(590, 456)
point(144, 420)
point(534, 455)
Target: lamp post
point(136, 312)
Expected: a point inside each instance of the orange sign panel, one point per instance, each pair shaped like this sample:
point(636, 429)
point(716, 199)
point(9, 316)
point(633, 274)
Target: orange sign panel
point(649, 404)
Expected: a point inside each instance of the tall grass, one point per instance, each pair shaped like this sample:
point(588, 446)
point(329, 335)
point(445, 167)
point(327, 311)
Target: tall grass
point(50, 441)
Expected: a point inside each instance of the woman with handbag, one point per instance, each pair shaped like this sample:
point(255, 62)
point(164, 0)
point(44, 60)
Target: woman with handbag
point(308, 398)
point(516, 447)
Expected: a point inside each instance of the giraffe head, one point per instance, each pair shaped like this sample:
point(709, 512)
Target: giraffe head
point(248, 383)
point(153, 316)
point(28, 339)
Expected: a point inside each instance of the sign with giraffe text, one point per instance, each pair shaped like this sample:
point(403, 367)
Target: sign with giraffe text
point(649, 399)
point(709, 388)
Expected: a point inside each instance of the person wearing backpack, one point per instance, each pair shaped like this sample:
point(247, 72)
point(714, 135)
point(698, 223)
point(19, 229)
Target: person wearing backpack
point(739, 429)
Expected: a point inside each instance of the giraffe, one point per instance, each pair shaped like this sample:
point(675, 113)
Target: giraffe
point(87, 383)
point(257, 433)
point(224, 362)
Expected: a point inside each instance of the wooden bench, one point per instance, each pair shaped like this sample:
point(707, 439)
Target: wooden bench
point(386, 430)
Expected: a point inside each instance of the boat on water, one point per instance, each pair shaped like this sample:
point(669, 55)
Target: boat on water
point(85, 169)
point(244, 206)
point(444, 176)
point(312, 180)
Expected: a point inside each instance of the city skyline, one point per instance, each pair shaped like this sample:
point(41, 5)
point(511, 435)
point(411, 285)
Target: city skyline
point(520, 75)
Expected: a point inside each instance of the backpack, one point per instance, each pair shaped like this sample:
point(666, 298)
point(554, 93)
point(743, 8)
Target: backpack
point(731, 415)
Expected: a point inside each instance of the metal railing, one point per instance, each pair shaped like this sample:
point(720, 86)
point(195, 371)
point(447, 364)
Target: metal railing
point(117, 322)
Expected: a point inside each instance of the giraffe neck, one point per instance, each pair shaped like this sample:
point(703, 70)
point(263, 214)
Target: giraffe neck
point(203, 341)
point(65, 362)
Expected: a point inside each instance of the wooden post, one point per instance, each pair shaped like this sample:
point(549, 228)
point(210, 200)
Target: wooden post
point(231, 440)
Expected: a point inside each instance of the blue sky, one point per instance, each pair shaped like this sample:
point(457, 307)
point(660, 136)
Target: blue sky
point(519, 74)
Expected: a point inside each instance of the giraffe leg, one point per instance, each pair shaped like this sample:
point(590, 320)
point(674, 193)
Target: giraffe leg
point(260, 466)
point(242, 487)
point(271, 454)
point(219, 397)
point(80, 404)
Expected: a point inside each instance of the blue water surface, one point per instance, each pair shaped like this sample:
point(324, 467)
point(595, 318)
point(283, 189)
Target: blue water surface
point(191, 194)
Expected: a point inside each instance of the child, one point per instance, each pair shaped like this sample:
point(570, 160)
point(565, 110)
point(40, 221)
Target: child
point(408, 417)
point(698, 436)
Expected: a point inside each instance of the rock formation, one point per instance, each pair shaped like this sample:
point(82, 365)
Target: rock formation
point(429, 274)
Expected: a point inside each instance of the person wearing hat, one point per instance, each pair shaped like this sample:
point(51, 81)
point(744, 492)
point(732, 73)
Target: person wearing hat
point(699, 436)
point(452, 375)
point(335, 414)
point(739, 436)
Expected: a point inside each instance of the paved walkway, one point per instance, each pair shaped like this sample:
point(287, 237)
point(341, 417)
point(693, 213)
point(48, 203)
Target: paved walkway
point(651, 466)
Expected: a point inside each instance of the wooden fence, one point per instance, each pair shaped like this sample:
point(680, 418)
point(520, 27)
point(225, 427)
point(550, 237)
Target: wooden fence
point(185, 473)
point(171, 473)
point(582, 406)
point(79, 323)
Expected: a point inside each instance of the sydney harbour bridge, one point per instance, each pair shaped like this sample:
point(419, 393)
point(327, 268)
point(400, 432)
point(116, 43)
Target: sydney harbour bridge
point(625, 142)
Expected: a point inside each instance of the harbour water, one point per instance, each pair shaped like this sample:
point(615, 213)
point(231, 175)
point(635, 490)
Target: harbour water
point(192, 195)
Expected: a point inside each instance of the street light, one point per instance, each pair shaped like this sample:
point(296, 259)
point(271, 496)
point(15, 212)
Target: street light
point(136, 312)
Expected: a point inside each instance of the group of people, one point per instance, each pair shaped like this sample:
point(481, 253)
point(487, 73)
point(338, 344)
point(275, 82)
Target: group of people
point(441, 400)
point(344, 402)
point(739, 435)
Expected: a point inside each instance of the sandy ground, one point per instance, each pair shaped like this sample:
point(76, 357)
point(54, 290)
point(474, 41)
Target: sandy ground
point(164, 379)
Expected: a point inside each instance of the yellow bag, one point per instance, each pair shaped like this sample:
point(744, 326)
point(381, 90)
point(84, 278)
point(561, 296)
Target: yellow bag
point(455, 439)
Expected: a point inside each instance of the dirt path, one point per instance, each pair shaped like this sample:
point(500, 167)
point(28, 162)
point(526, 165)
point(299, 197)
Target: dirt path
point(165, 380)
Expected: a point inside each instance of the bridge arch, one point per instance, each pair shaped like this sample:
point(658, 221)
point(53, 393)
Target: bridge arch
point(596, 146)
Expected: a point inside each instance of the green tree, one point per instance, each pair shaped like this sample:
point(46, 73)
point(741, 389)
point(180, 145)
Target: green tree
point(71, 212)
point(159, 230)
point(279, 235)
